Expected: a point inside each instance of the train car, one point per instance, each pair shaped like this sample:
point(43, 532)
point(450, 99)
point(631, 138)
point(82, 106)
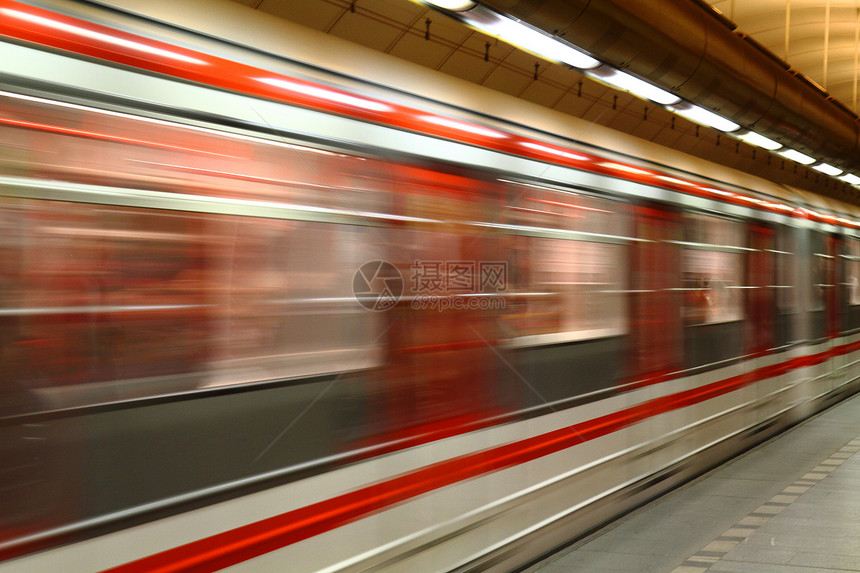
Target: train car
point(259, 312)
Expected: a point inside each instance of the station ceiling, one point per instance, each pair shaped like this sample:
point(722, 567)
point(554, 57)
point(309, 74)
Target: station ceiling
point(820, 38)
point(817, 38)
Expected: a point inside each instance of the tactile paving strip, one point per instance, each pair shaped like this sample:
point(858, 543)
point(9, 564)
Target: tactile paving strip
point(722, 544)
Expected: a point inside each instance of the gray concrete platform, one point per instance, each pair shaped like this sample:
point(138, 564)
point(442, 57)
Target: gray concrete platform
point(791, 505)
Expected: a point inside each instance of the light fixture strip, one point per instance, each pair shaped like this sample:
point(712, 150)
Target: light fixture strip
point(705, 117)
point(634, 85)
point(759, 140)
point(797, 157)
point(522, 35)
point(827, 169)
point(452, 5)
point(531, 39)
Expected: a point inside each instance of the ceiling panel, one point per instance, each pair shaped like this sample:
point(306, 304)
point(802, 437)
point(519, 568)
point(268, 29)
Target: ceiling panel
point(818, 38)
point(316, 15)
point(372, 32)
point(415, 48)
point(542, 94)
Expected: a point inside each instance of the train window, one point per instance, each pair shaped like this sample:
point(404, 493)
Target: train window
point(239, 299)
point(851, 283)
point(712, 265)
point(576, 286)
point(852, 271)
point(823, 296)
point(81, 145)
point(786, 270)
point(567, 283)
point(818, 272)
point(282, 300)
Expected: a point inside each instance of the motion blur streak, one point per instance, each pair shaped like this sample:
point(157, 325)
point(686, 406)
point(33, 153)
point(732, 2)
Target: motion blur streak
point(315, 322)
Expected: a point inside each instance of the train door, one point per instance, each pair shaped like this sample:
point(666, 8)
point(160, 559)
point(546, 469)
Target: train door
point(831, 280)
point(655, 305)
point(760, 280)
point(788, 315)
point(441, 360)
point(824, 296)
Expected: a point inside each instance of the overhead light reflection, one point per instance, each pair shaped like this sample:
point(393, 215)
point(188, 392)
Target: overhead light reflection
point(717, 191)
point(322, 93)
point(624, 168)
point(675, 181)
point(106, 38)
point(553, 151)
point(463, 126)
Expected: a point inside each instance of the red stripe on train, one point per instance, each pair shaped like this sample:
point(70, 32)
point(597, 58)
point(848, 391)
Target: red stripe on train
point(46, 28)
point(255, 539)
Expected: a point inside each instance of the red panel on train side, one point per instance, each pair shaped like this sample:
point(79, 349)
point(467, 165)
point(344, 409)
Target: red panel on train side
point(832, 278)
point(655, 312)
point(760, 299)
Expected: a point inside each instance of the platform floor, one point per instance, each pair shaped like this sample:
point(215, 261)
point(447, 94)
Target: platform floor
point(792, 505)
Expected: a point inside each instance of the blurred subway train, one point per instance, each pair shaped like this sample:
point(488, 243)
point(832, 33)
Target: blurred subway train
point(262, 312)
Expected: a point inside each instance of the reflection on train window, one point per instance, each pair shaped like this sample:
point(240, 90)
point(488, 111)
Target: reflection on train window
point(577, 285)
point(819, 272)
point(99, 290)
point(567, 284)
point(852, 270)
point(786, 270)
point(712, 266)
point(540, 206)
point(174, 159)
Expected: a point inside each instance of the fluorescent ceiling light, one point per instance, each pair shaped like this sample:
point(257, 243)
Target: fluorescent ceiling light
point(637, 87)
point(827, 169)
point(851, 179)
point(754, 138)
point(529, 39)
point(322, 93)
point(797, 156)
point(99, 36)
point(452, 5)
point(463, 126)
point(705, 117)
